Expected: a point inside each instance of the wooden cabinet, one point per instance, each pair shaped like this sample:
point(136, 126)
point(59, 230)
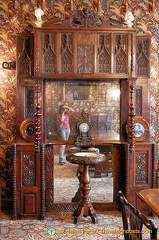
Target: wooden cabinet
point(60, 53)
point(141, 173)
point(27, 183)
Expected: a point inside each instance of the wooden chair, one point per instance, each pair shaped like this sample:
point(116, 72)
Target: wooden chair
point(133, 221)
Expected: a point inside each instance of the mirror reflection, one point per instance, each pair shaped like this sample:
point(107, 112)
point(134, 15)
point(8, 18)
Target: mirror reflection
point(101, 179)
point(101, 101)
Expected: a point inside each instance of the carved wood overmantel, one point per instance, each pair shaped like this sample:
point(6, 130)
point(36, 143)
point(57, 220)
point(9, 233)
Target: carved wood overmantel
point(82, 48)
point(91, 54)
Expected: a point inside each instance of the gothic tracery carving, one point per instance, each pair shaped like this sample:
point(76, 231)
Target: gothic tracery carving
point(142, 57)
point(121, 55)
point(104, 55)
point(24, 57)
point(66, 53)
point(49, 53)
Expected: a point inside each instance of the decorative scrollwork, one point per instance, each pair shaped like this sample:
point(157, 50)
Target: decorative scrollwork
point(85, 18)
point(141, 168)
point(29, 170)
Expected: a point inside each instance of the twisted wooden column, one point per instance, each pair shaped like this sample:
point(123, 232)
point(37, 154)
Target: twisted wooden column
point(132, 112)
point(38, 115)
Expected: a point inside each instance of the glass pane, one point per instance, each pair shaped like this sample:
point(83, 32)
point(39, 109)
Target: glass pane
point(99, 99)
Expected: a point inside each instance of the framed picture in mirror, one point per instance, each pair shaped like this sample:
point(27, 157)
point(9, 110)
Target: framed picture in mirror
point(77, 91)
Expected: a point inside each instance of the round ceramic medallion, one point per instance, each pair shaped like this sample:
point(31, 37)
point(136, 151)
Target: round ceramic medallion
point(141, 129)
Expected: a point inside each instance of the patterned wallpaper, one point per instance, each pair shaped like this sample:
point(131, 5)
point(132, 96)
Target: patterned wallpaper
point(15, 15)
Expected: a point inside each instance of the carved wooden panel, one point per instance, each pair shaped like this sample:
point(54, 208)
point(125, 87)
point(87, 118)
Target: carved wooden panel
point(29, 169)
point(141, 164)
point(29, 110)
point(85, 58)
point(138, 101)
point(121, 53)
point(27, 182)
point(104, 54)
point(49, 53)
point(66, 53)
point(142, 56)
point(25, 51)
point(49, 176)
point(28, 203)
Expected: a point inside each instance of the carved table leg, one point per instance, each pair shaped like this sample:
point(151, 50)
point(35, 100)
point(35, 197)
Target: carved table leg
point(85, 207)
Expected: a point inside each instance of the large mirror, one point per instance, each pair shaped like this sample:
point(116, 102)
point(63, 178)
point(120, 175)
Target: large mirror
point(101, 101)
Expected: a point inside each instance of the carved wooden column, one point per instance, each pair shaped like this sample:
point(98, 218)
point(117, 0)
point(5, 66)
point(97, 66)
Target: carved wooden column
point(155, 172)
point(39, 155)
point(14, 182)
point(38, 114)
point(131, 113)
point(37, 54)
point(42, 182)
point(127, 167)
point(49, 176)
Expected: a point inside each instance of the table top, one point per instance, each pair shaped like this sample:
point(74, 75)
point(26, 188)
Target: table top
point(151, 198)
point(85, 158)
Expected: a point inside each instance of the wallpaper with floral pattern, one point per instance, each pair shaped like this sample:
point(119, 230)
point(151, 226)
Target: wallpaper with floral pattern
point(15, 15)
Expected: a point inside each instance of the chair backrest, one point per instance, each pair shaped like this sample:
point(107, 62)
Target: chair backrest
point(133, 221)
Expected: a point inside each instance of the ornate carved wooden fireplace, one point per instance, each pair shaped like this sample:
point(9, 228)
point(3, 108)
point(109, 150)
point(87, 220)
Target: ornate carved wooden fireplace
point(92, 56)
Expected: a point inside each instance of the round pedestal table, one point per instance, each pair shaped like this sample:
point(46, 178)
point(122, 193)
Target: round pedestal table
point(85, 207)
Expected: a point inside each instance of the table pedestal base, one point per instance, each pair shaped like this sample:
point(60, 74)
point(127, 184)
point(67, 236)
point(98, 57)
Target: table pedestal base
point(84, 210)
point(85, 207)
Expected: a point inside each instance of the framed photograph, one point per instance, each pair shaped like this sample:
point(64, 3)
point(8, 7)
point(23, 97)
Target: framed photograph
point(141, 129)
point(77, 92)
